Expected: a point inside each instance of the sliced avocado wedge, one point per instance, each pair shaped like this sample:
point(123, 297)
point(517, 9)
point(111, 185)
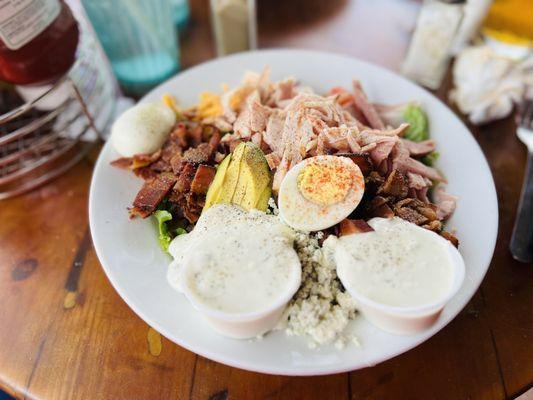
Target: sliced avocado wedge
point(255, 178)
point(243, 179)
point(231, 177)
point(262, 201)
point(216, 185)
point(232, 190)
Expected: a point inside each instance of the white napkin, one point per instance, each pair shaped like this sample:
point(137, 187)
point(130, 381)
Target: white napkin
point(487, 84)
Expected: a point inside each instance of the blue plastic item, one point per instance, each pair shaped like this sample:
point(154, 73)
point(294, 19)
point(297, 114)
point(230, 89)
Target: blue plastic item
point(180, 13)
point(139, 37)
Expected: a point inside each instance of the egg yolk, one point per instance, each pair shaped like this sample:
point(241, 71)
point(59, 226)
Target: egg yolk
point(325, 183)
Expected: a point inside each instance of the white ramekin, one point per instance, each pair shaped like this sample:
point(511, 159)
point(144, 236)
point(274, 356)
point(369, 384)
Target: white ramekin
point(244, 325)
point(410, 320)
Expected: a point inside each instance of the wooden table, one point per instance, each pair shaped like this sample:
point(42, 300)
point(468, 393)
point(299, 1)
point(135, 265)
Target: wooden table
point(66, 334)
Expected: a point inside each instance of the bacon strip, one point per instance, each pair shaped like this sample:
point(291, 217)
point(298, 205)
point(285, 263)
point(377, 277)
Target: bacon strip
point(185, 177)
point(351, 226)
point(137, 161)
point(361, 159)
point(123, 162)
point(451, 237)
point(202, 179)
point(151, 194)
point(396, 184)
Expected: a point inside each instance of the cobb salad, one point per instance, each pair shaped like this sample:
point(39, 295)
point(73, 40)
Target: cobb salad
point(287, 209)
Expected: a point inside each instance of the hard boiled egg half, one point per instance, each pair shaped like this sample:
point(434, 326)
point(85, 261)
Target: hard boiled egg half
point(142, 129)
point(320, 192)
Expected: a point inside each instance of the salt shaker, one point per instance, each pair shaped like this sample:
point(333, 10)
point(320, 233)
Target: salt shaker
point(234, 25)
point(430, 50)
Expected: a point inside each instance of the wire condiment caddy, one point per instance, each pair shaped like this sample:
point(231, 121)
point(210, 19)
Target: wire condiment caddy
point(38, 143)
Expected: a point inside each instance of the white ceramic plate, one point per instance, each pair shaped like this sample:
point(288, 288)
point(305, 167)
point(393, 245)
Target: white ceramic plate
point(135, 265)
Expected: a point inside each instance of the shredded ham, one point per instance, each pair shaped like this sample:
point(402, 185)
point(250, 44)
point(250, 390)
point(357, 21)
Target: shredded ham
point(347, 101)
point(445, 202)
point(417, 181)
point(419, 149)
point(273, 160)
point(367, 108)
point(381, 150)
point(310, 125)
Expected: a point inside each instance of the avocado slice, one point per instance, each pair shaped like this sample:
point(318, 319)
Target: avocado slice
point(262, 201)
point(254, 180)
point(242, 178)
point(231, 178)
point(232, 190)
point(216, 185)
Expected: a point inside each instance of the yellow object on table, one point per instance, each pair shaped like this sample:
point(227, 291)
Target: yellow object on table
point(511, 22)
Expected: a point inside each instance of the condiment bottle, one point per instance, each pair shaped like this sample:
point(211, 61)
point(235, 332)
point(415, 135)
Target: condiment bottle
point(474, 13)
point(38, 41)
point(234, 25)
point(430, 49)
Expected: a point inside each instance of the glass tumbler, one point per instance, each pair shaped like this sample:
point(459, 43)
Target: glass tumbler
point(180, 13)
point(140, 39)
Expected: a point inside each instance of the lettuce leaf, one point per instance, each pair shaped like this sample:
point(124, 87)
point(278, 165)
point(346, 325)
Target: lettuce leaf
point(416, 117)
point(180, 231)
point(431, 158)
point(166, 235)
point(163, 216)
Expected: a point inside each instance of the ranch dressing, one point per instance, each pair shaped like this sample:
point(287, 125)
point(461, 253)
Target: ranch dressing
point(399, 264)
point(236, 262)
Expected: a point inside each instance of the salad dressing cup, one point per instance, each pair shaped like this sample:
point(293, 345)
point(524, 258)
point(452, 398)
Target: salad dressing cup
point(243, 325)
point(410, 320)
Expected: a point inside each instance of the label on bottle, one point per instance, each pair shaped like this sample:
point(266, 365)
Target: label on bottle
point(22, 20)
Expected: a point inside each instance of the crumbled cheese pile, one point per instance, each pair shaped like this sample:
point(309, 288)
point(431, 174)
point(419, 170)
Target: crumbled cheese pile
point(321, 309)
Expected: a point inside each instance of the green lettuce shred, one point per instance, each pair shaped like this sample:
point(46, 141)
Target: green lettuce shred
point(162, 217)
point(180, 231)
point(431, 158)
point(416, 117)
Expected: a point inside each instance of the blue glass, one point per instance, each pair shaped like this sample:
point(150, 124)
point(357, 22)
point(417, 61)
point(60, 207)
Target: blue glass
point(180, 13)
point(140, 39)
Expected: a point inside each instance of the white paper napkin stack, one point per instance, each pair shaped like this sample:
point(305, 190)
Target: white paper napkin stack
point(489, 84)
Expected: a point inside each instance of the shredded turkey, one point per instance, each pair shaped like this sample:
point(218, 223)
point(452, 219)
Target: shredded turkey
point(290, 122)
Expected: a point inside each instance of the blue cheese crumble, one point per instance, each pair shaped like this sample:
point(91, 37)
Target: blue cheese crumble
point(321, 309)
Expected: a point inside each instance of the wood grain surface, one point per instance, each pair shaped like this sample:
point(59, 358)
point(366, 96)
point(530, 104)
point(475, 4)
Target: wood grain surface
point(66, 334)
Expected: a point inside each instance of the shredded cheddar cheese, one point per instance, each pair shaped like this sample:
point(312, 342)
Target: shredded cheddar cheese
point(170, 102)
point(209, 106)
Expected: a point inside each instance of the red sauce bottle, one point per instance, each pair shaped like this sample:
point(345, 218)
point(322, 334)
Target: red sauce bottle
point(38, 40)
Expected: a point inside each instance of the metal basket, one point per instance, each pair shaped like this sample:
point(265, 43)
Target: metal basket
point(37, 146)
